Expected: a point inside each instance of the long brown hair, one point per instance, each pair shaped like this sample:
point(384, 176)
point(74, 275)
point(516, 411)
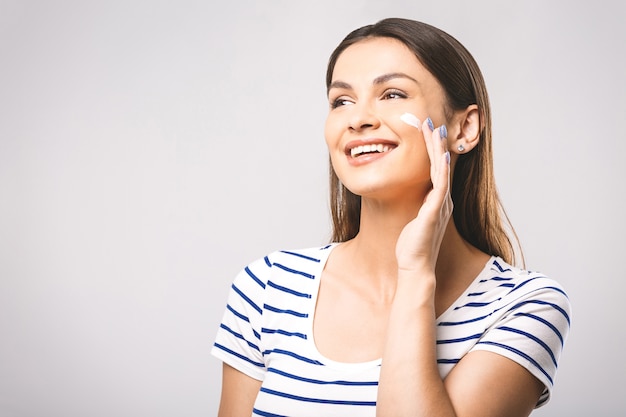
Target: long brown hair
point(478, 213)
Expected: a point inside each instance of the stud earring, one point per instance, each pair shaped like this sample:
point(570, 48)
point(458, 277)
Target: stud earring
point(461, 148)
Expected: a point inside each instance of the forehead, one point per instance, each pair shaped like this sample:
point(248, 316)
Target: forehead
point(372, 57)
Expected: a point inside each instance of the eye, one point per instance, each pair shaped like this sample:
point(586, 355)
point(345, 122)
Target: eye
point(340, 101)
point(393, 94)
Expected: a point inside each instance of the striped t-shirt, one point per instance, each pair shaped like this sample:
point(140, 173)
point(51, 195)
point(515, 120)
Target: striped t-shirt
point(267, 333)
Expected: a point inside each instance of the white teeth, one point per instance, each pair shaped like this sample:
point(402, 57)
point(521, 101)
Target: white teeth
point(358, 150)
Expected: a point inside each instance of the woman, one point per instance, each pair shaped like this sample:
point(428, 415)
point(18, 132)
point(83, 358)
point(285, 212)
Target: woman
point(407, 313)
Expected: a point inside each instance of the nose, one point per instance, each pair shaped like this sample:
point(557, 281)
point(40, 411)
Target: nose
point(362, 118)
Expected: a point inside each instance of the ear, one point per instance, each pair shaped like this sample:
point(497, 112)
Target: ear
point(469, 130)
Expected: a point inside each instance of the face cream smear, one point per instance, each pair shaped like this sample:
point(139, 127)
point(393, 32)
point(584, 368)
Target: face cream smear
point(411, 120)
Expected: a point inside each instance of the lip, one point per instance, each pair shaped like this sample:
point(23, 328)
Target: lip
point(364, 159)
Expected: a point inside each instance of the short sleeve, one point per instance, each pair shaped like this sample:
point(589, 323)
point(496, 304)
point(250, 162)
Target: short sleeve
point(238, 340)
point(533, 331)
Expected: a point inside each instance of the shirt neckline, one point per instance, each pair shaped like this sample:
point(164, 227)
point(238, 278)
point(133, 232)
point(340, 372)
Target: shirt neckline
point(375, 362)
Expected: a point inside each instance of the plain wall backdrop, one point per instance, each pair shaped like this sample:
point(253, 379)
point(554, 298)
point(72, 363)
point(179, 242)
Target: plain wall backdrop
point(151, 149)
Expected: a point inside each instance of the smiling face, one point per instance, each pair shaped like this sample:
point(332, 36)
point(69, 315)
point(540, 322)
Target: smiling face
point(373, 151)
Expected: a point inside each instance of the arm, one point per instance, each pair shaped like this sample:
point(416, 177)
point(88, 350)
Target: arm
point(482, 384)
point(238, 343)
point(239, 391)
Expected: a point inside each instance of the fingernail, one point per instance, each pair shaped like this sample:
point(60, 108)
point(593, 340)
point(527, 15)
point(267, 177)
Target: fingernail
point(443, 132)
point(430, 124)
point(447, 157)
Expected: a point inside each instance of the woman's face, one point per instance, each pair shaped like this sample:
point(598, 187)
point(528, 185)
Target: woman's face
point(375, 82)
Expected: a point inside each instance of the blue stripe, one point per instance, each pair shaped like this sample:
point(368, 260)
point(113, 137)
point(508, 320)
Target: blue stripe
point(244, 318)
point(458, 323)
point(249, 301)
point(461, 339)
point(519, 353)
point(476, 294)
point(560, 291)
point(239, 336)
point(546, 322)
point(278, 310)
point(267, 261)
point(256, 411)
point(238, 314)
point(448, 361)
point(293, 355)
point(506, 285)
point(520, 285)
point(245, 358)
point(556, 307)
point(496, 279)
point(300, 256)
point(532, 337)
point(557, 290)
point(318, 400)
point(319, 382)
point(254, 277)
point(497, 265)
point(293, 271)
point(478, 304)
point(288, 290)
point(283, 332)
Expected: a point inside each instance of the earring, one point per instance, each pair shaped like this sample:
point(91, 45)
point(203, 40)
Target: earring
point(461, 148)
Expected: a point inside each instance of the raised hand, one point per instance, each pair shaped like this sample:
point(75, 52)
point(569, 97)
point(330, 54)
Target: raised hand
point(418, 244)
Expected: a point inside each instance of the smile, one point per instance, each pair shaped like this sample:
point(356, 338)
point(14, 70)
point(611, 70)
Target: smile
point(367, 149)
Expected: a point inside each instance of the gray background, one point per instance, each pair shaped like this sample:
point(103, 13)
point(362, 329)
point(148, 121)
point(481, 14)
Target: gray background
point(150, 149)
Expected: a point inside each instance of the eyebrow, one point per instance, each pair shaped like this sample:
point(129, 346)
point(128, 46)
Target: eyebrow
point(381, 79)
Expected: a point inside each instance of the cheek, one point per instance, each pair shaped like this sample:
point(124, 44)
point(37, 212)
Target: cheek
point(406, 115)
point(331, 130)
point(413, 142)
point(406, 125)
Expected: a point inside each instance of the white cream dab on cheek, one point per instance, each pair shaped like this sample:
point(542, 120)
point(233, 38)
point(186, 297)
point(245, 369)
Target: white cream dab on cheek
point(411, 120)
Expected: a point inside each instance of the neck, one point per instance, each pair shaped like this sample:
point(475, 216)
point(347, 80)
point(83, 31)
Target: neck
point(375, 244)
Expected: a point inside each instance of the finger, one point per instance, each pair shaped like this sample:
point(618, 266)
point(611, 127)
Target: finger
point(436, 152)
point(440, 192)
point(430, 138)
point(440, 165)
point(436, 145)
point(427, 130)
point(440, 147)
